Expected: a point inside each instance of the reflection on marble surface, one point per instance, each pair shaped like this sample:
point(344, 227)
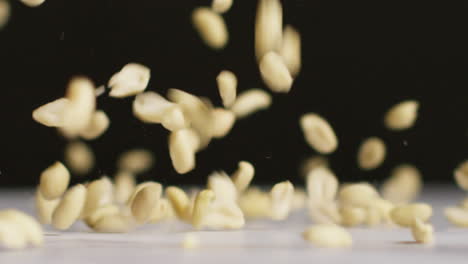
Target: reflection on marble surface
point(275, 242)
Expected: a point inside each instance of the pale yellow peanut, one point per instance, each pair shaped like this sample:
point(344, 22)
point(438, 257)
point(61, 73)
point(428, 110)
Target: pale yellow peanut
point(145, 201)
point(163, 211)
point(31, 228)
point(322, 185)
point(99, 193)
point(202, 207)
point(268, 27)
point(138, 188)
point(352, 216)
point(198, 112)
point(357, 194)
point(224, 216)
point(227, 87)
point(457, 216)
point(275, 74)
point(135, 161)
point(423, 233)
point(45, 208)
point(404, 184)
point(97, 126)
point(402, 115)
point(51, 114)
point(223, 121)
point(328, 235)
point(311, 163)
point(371, 153)
point(404, 215)
point(33, 3)
point(221, 6)
point(174, 119)
point(291, 49)
point(461, 175)
point(179, 201)
point(211, 27)
point(281, 196)
point(243, 176)
point(251, 101)
point(81, 106)
point(12, 235)
point(318, 133)
point(69, 208)
point(222, 186)
point(114, 223)
point(255, 203)
point(96, 215)
point(132, 79)
point(54, 181)
point(4, 13)
point(124, 186)
point(79, 157)
point(150, 106)
point(182, 149)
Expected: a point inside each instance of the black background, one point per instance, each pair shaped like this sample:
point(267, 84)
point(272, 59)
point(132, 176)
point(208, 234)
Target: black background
point(359, 58)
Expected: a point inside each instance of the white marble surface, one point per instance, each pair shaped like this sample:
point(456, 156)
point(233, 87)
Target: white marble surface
point(259, 242)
